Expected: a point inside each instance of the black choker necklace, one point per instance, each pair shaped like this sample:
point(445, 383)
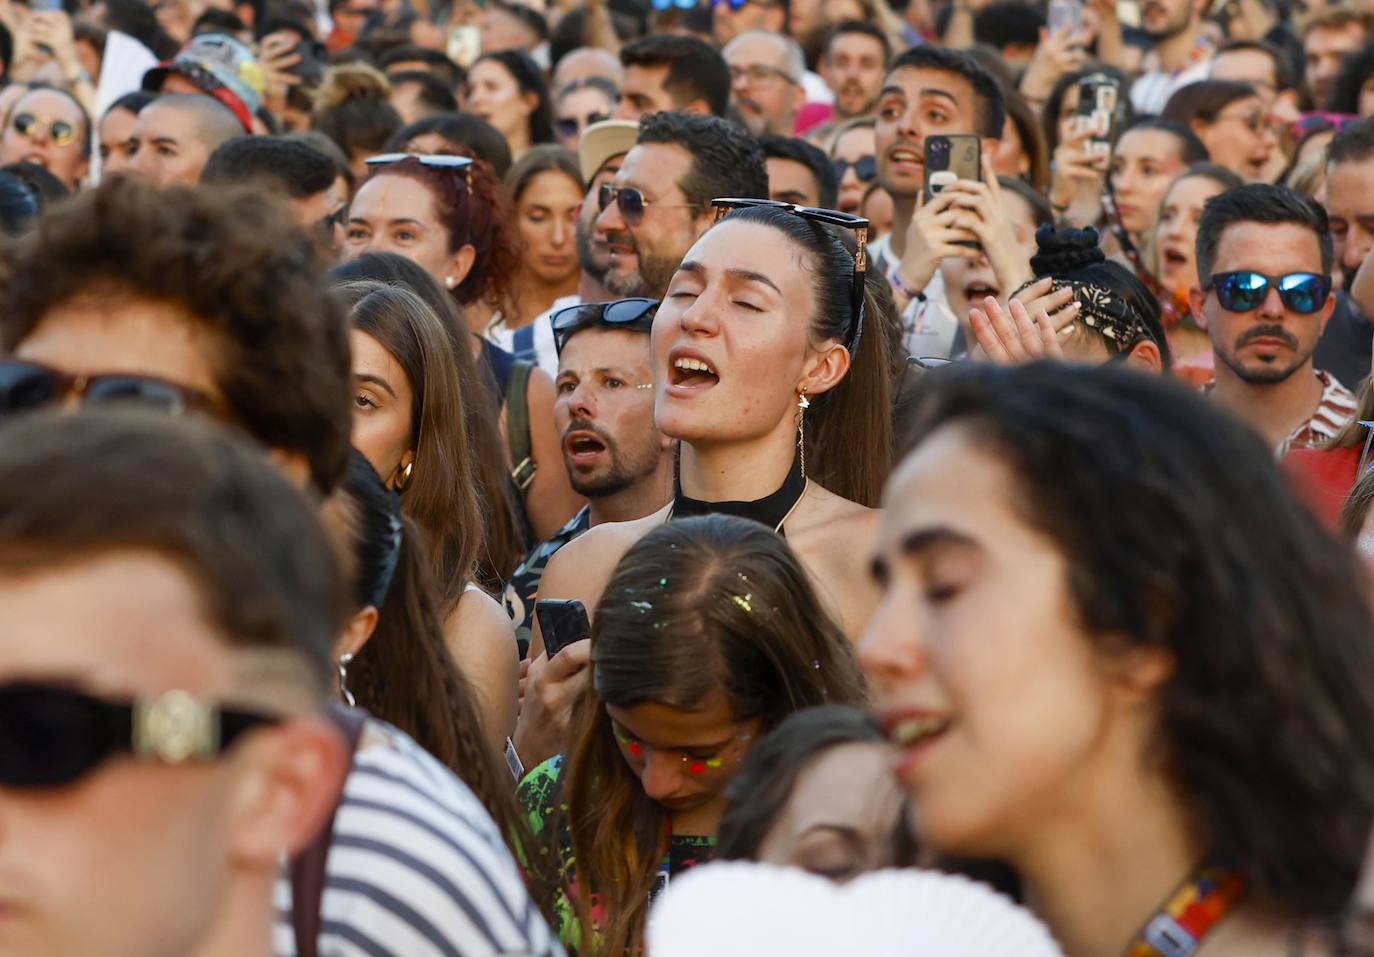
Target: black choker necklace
point(771, 510)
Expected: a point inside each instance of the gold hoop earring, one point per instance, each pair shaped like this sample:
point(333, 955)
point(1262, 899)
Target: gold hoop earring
point(803, 403)
point(403, 479)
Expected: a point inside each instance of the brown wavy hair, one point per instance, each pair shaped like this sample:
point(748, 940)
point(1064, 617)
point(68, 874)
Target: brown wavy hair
point(475, 210)
point(697, 607)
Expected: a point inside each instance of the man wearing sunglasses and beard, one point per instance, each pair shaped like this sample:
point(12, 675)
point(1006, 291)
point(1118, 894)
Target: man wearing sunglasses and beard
point(660, 201)
point(1264, 255)
point(163, 741)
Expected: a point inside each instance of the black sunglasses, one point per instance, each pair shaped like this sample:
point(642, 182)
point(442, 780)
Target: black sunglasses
point(631, 203)
point(1242, 291)
point(635, 314)
point(432, 160)
point(865, 167)
point(830, 217)
point(59, 131)
point(51, 735)
point(567, 126)
point(27, 386)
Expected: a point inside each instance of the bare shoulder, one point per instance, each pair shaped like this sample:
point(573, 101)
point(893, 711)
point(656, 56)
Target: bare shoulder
point(834, 539)
point(829, 523)
point(581, 568)
point(478, 616)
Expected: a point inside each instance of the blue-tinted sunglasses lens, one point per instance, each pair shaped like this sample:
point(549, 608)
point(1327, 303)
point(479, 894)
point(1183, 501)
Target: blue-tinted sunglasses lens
point(1242, 291)
point(1302, 292)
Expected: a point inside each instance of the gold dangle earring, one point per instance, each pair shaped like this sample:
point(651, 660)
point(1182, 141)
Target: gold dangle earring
point(803, 403)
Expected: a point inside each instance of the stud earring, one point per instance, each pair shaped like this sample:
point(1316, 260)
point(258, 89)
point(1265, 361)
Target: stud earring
point(803, 403)
point(344, 661)
point(450, 282)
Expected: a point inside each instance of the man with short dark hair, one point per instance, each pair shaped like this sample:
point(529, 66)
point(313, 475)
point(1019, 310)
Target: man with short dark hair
point(929, 90)
point(613, 451)
point(512, 26)
point(799, 172)
point(660, 201)
point(306, 177)
point(1264, 259)
point(1328, 37)
point(170, 604)
point(766, 81)
point(434, 62)
point(667, 73)
point(416, 94)
point(209, 301)
point(853, 65)
point(175, 134)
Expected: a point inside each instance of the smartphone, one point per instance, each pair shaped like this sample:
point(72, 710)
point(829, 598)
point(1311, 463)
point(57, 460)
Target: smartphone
point(1099, 95)
point(951, 158)
point(561, 623)
point(464, 45)
point(1065, 13)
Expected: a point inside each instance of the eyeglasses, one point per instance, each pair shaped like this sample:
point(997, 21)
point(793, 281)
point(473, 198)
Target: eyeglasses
point(1302, 292)
point(59, 131)
point(693, 762)
point(830, 217)
point(570, 126)
point(865, 167)
point(26, 386)
point(631, 203)
point(760, 73)
point(51, 736)
point(636, 314)
point(432, 160)
point(1348, 936)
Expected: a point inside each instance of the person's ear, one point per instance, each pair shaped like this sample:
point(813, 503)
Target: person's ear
point(357, 632)
point(531, 101)
point(1197, 305)
point(289, 783)
point(1145, 356)
point(1140, 670)
point(798, 96)
point(1325, 315)
point(697, 107)
point(460, 264)
point(825, 369)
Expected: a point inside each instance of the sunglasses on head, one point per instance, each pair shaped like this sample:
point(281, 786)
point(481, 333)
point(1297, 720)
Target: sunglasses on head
point(432, 160)
point(865, 167)
point(631, 203)
point(829, 217)
point(670, 4)
point(1302, 292)
point(567, 126)
point(27, 386)
point(636, 314)
point(59, 131)
point(1320, 122)
point(51, 735)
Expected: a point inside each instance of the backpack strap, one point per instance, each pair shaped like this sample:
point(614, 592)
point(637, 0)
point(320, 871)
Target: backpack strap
point(523, 344)
point(307, 867)
point(518, 426)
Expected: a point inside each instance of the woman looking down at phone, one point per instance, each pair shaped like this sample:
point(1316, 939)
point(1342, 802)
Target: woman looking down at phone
point(739, 382)
point(707, 636)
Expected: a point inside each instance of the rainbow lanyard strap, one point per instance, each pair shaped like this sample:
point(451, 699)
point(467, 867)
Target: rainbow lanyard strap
point(1189, 915)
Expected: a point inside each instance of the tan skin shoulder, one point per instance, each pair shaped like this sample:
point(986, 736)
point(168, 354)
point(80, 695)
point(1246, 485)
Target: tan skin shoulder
point(581, 569)
point(481, 638)
point(834, 539)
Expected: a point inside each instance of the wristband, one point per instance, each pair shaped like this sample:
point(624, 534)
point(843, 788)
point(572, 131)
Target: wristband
point(900, 285)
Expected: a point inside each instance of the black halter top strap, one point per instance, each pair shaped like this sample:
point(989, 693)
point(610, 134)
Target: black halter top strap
point(769, 510)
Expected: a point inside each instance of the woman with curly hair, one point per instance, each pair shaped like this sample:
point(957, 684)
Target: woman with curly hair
point(1118, 655)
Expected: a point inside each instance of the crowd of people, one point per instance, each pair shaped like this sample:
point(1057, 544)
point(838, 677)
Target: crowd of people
point(469, 472)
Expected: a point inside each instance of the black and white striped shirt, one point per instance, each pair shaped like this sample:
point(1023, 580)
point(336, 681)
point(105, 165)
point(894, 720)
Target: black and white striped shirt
point(417, 868)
